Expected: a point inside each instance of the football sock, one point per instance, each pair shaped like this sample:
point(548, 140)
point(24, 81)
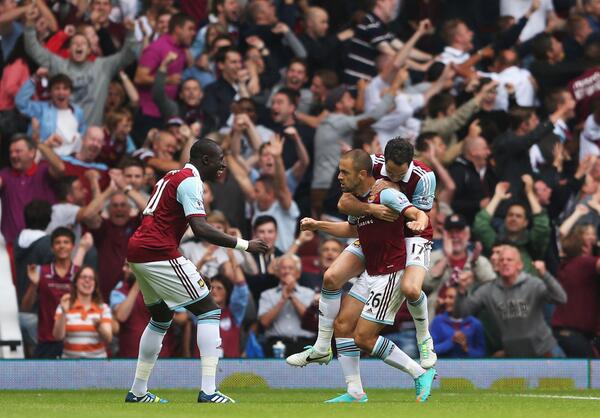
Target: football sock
point(150, 345)
point(329, 307)
point(349, 358)
point(387, 351)
point(209, 344)
point(418, 310)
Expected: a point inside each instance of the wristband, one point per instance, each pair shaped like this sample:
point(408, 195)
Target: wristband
point(241, 244)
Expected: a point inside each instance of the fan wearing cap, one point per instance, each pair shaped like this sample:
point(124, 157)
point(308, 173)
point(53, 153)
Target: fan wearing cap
point(337, 128)
point(458, 260)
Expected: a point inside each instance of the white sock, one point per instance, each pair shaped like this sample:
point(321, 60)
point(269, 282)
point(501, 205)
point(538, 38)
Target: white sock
point(349, 358)
point(329, 307)
point(418, 310)
point(209, 344)
point(150, 345)
point(392, 355)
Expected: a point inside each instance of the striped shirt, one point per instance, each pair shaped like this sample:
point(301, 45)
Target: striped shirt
point(362, 49)
point(82, 339)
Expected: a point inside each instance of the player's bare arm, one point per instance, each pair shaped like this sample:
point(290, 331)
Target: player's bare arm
point(204, 230)
point(350, 205)
point(419, 220)
point(338, 229)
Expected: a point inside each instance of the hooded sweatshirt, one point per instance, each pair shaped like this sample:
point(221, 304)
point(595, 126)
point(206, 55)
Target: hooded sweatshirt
point(518, 311)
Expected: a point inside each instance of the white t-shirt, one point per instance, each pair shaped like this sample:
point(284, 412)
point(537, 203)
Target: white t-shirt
point(537, 21)
point(520, 78)
point(399, 122)
point(452, 55)
point(194, 251)
point(67, 127)
point(65, 214)
point(590, 138)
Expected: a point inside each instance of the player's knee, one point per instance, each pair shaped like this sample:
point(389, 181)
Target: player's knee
point(160, 312)
point(330, 280)
point(342, 327)
point(410, 290)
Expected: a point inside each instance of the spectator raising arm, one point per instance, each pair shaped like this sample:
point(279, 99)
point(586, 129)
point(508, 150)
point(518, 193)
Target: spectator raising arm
point(57, 166)
point(482, 226)
point(300, 166)
point(580, 211)
point(167, 107)
point(282, 193)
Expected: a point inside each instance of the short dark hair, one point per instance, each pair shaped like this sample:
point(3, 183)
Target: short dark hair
point(61, 231)
point(519, 114)
point(203, 146)
point(63, 187)
point(22, 137)
point(540, 46)
point(219, 37)
point(554, 99)
point(297, 60)
point(521, 205)
point(363, 136)
point(60, 79)
point(222, 53)
point(127, 162)
point(329, 78)
point(422, 142)
point(268, 181)
point(291, 94)
point(178, 20)
point(439, 104)
point(226, 284)
point(38, 214)
point(399, 151)
point(449, 30)
point(262, 220)
point(361, 160)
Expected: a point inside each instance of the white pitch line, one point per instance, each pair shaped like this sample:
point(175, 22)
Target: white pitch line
point(584, 398)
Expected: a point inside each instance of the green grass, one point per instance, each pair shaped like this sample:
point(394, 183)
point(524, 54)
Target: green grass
point(266, 403)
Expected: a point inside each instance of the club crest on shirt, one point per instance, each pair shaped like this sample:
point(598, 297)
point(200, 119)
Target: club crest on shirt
point(356, 243)
point(201, 283)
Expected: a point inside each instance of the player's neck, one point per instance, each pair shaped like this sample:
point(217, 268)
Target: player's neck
point(365, 187)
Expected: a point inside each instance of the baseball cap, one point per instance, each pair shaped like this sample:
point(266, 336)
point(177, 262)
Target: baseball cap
point(175, 121)
point(334, 96)
point(455, 221)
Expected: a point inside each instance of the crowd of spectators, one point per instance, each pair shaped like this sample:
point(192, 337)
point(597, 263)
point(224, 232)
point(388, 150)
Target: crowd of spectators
point(100, 98)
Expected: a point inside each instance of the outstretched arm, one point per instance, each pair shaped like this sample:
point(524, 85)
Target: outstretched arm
point(337, 229)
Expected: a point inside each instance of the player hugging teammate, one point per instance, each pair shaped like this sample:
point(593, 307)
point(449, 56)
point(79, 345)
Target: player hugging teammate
point(391, 258)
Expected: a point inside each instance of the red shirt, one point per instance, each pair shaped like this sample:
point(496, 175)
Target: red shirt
point(230, 334)
point(418, 185)
point(382, 242)
point(112, 151)
point(131, 330)
point(579, 278)
point(50, 289)
point(585, 89)
point(111, 243)
point(166, 219)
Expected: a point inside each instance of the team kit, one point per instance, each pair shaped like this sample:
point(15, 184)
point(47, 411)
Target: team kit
point(386, 261)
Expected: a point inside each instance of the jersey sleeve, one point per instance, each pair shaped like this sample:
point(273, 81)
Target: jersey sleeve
point(190, 196)
point(394, 200)
point(425, 192)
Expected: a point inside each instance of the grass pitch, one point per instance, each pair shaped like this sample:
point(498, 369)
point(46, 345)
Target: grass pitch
point(276, 403)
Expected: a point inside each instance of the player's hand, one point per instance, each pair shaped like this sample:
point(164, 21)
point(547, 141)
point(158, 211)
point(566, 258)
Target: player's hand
point(383, 212)
point(417, 226)
point(257, 246)
point(308, 224)
point(381, 185)
point(33, 273)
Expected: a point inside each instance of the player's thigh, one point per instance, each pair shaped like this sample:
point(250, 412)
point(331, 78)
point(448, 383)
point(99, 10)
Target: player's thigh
point(385, 298)
point(350, 263)
point(141, 273)
point(175, 281)
point(205, 308)
point(346, 320)
point(160, 312)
